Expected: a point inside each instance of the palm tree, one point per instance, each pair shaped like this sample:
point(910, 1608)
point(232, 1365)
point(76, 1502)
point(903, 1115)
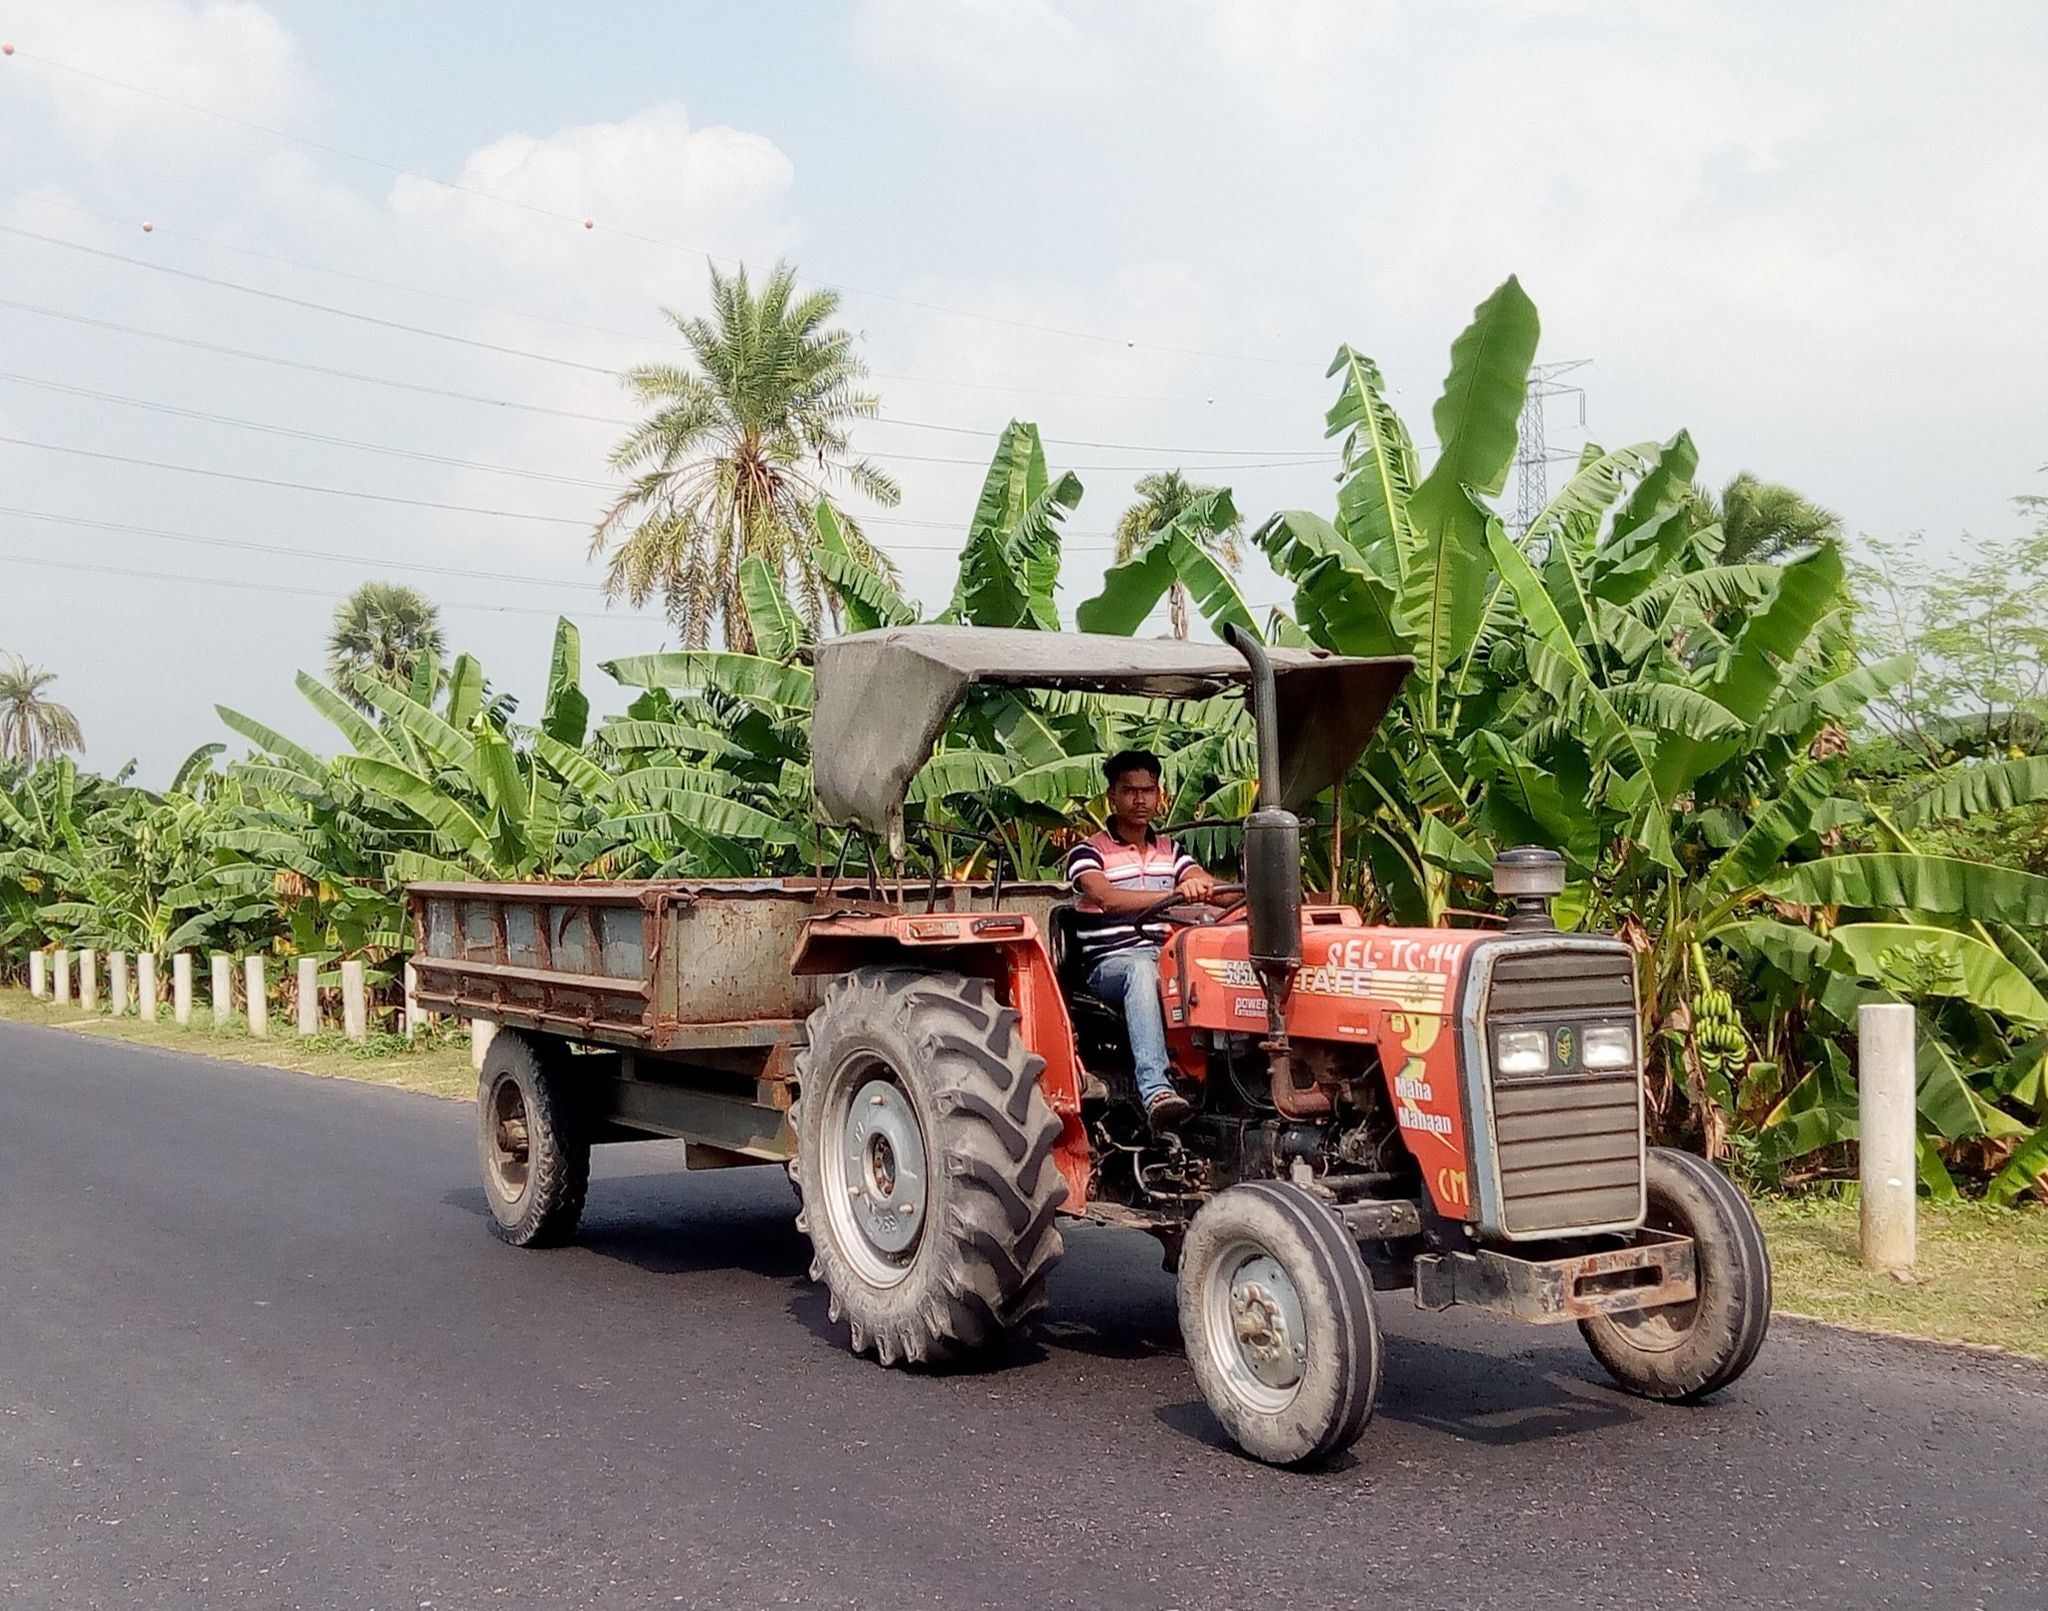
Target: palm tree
point(1163, 498)
point(382, 632)
point(32, 727)
point(740, 448)
point(1764, 522)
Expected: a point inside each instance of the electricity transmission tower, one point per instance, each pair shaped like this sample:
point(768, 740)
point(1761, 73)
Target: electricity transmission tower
point(1532, 457)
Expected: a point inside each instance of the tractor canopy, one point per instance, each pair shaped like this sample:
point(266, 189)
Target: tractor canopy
point(883, 697)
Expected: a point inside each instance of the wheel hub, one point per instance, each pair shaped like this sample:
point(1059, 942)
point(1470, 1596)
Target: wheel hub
point(885, 1166)
point(511, 1143)
point(1266, 1321)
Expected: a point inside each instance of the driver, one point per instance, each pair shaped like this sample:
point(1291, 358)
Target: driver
point(1119, 874)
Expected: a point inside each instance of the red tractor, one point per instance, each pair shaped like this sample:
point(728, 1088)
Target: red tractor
point(1452, 1112)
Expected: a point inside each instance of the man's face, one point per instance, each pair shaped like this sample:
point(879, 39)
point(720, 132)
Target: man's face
point(1134, 798)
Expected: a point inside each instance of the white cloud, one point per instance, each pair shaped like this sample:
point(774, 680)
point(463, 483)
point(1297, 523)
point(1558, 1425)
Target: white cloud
point(232, 56)
point(967, 50)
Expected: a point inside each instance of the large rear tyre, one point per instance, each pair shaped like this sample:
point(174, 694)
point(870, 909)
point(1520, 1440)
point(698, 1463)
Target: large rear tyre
point(924, 1165)
point(1680, 1352)
point(1276, 1313)
point(534, 1151)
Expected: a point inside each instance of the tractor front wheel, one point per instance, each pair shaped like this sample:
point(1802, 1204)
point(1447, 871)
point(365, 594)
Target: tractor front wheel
point(924, 1164)
point(1277, 1315)
point(1680, 1352)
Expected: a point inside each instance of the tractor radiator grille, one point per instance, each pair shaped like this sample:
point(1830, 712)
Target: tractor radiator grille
point(1570, 1144)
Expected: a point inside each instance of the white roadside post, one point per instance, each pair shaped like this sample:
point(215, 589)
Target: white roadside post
point(1885, 1109)
point(117, 983)
point(412, 1001)
point(88, 980)
point(223, 988)
point(481, 1033)
point(147, 997)
point(355, 1006)
point(258, 989)
point(63, 978)
point(181, 987)
point(309, 996)
point(38, 974)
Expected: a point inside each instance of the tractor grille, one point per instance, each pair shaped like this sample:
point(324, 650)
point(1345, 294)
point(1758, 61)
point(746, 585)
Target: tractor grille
point(1570, 1144)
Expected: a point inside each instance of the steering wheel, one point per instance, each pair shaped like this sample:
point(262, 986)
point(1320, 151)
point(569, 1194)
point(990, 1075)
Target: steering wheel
point(1178, 910)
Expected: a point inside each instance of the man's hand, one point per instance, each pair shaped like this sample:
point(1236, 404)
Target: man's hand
point(1199, 885)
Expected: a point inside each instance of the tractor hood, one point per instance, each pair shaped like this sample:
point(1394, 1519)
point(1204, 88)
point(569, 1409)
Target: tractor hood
point(882, 699)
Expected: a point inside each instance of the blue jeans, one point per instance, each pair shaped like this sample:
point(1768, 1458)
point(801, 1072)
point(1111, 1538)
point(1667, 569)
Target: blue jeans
point(1129, 981)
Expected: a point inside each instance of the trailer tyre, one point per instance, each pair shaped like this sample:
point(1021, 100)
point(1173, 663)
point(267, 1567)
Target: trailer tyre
point(924, 1166)
point(535, 1152)
point(1681, 1352)
point(1276, 1312)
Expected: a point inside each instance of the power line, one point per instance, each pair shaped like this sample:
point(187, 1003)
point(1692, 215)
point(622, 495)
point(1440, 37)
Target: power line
point(1267, 457)
point(243, 545)
point(651, 240)
point(277, 587)
point(312, 368)
point(295, 486)
point(24, 193)
point(270, 428)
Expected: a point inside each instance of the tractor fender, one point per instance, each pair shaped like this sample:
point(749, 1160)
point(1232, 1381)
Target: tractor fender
point(1006, 948)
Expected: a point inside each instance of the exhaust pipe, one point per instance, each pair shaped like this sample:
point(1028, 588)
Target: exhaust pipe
point(1272, 888)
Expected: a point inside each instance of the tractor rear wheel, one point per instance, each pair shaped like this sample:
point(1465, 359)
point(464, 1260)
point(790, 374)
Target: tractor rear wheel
point(535, 1154)
point(924, 1164)
point(1684, 1351)
point(1277, 1315)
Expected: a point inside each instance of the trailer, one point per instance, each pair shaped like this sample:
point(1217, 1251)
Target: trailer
point(675, 1004)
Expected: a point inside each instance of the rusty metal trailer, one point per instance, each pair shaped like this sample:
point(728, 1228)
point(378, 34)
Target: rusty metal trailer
point(675, 1000)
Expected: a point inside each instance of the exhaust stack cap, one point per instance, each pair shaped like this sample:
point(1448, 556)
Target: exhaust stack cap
point(1529, 878)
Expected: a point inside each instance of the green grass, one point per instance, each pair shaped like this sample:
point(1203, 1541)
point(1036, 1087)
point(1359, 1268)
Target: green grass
point(1981, 1275)
point(438, 1065)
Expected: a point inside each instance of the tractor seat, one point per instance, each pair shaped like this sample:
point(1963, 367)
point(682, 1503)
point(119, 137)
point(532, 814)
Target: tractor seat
point(1093, 1017)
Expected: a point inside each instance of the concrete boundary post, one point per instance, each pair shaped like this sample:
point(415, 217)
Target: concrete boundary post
point(481, 1033)
point(258, 988)
point(147, 996)
point(63, 996)
point(117, 983)
point(223, 1002)
point(412, 1001)
point(1886, 1123)
point(355, 1005)
point(38, 974)
point(309, 996)
point(88, 980)
point(181, 987)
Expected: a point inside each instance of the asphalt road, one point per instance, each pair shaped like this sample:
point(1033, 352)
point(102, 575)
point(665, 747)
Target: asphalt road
point(257, 1349)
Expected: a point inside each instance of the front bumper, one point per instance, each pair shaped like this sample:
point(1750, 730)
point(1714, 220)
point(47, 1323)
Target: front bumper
point(1656, 1268)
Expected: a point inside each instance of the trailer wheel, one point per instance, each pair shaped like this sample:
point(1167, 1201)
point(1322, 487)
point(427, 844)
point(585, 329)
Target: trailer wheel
point(924, 1165)
point(1680, 1352)
point(1276, 1312)
point(536, 1158)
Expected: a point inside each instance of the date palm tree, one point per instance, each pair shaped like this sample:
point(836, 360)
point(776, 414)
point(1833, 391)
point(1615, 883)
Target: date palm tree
point(742, 444)
point(1164, 497)
point(1765, 522)
point(382, 632)
point(31, 726)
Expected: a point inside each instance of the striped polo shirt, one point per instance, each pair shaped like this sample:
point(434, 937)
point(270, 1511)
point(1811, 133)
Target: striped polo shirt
point(1155, 865)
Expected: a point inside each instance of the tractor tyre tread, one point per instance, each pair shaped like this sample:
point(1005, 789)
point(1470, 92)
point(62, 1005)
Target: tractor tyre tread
point(1733, 1264)
point(992, 1235)
point(547, 1211)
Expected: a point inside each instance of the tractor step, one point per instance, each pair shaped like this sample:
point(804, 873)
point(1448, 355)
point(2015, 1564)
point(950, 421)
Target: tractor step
point(1656, 1268)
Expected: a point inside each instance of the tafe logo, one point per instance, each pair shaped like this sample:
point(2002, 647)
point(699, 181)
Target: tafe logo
point(1564, 1045)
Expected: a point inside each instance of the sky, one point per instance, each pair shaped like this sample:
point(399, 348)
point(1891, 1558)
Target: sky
point(1815, 235)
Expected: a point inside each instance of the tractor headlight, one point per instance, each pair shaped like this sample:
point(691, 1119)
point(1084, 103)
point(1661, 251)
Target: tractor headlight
point(1607, 1046)
point(1521, 1051)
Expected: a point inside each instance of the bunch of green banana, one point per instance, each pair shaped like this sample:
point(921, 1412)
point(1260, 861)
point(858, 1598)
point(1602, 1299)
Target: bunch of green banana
point(1717, 1035)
